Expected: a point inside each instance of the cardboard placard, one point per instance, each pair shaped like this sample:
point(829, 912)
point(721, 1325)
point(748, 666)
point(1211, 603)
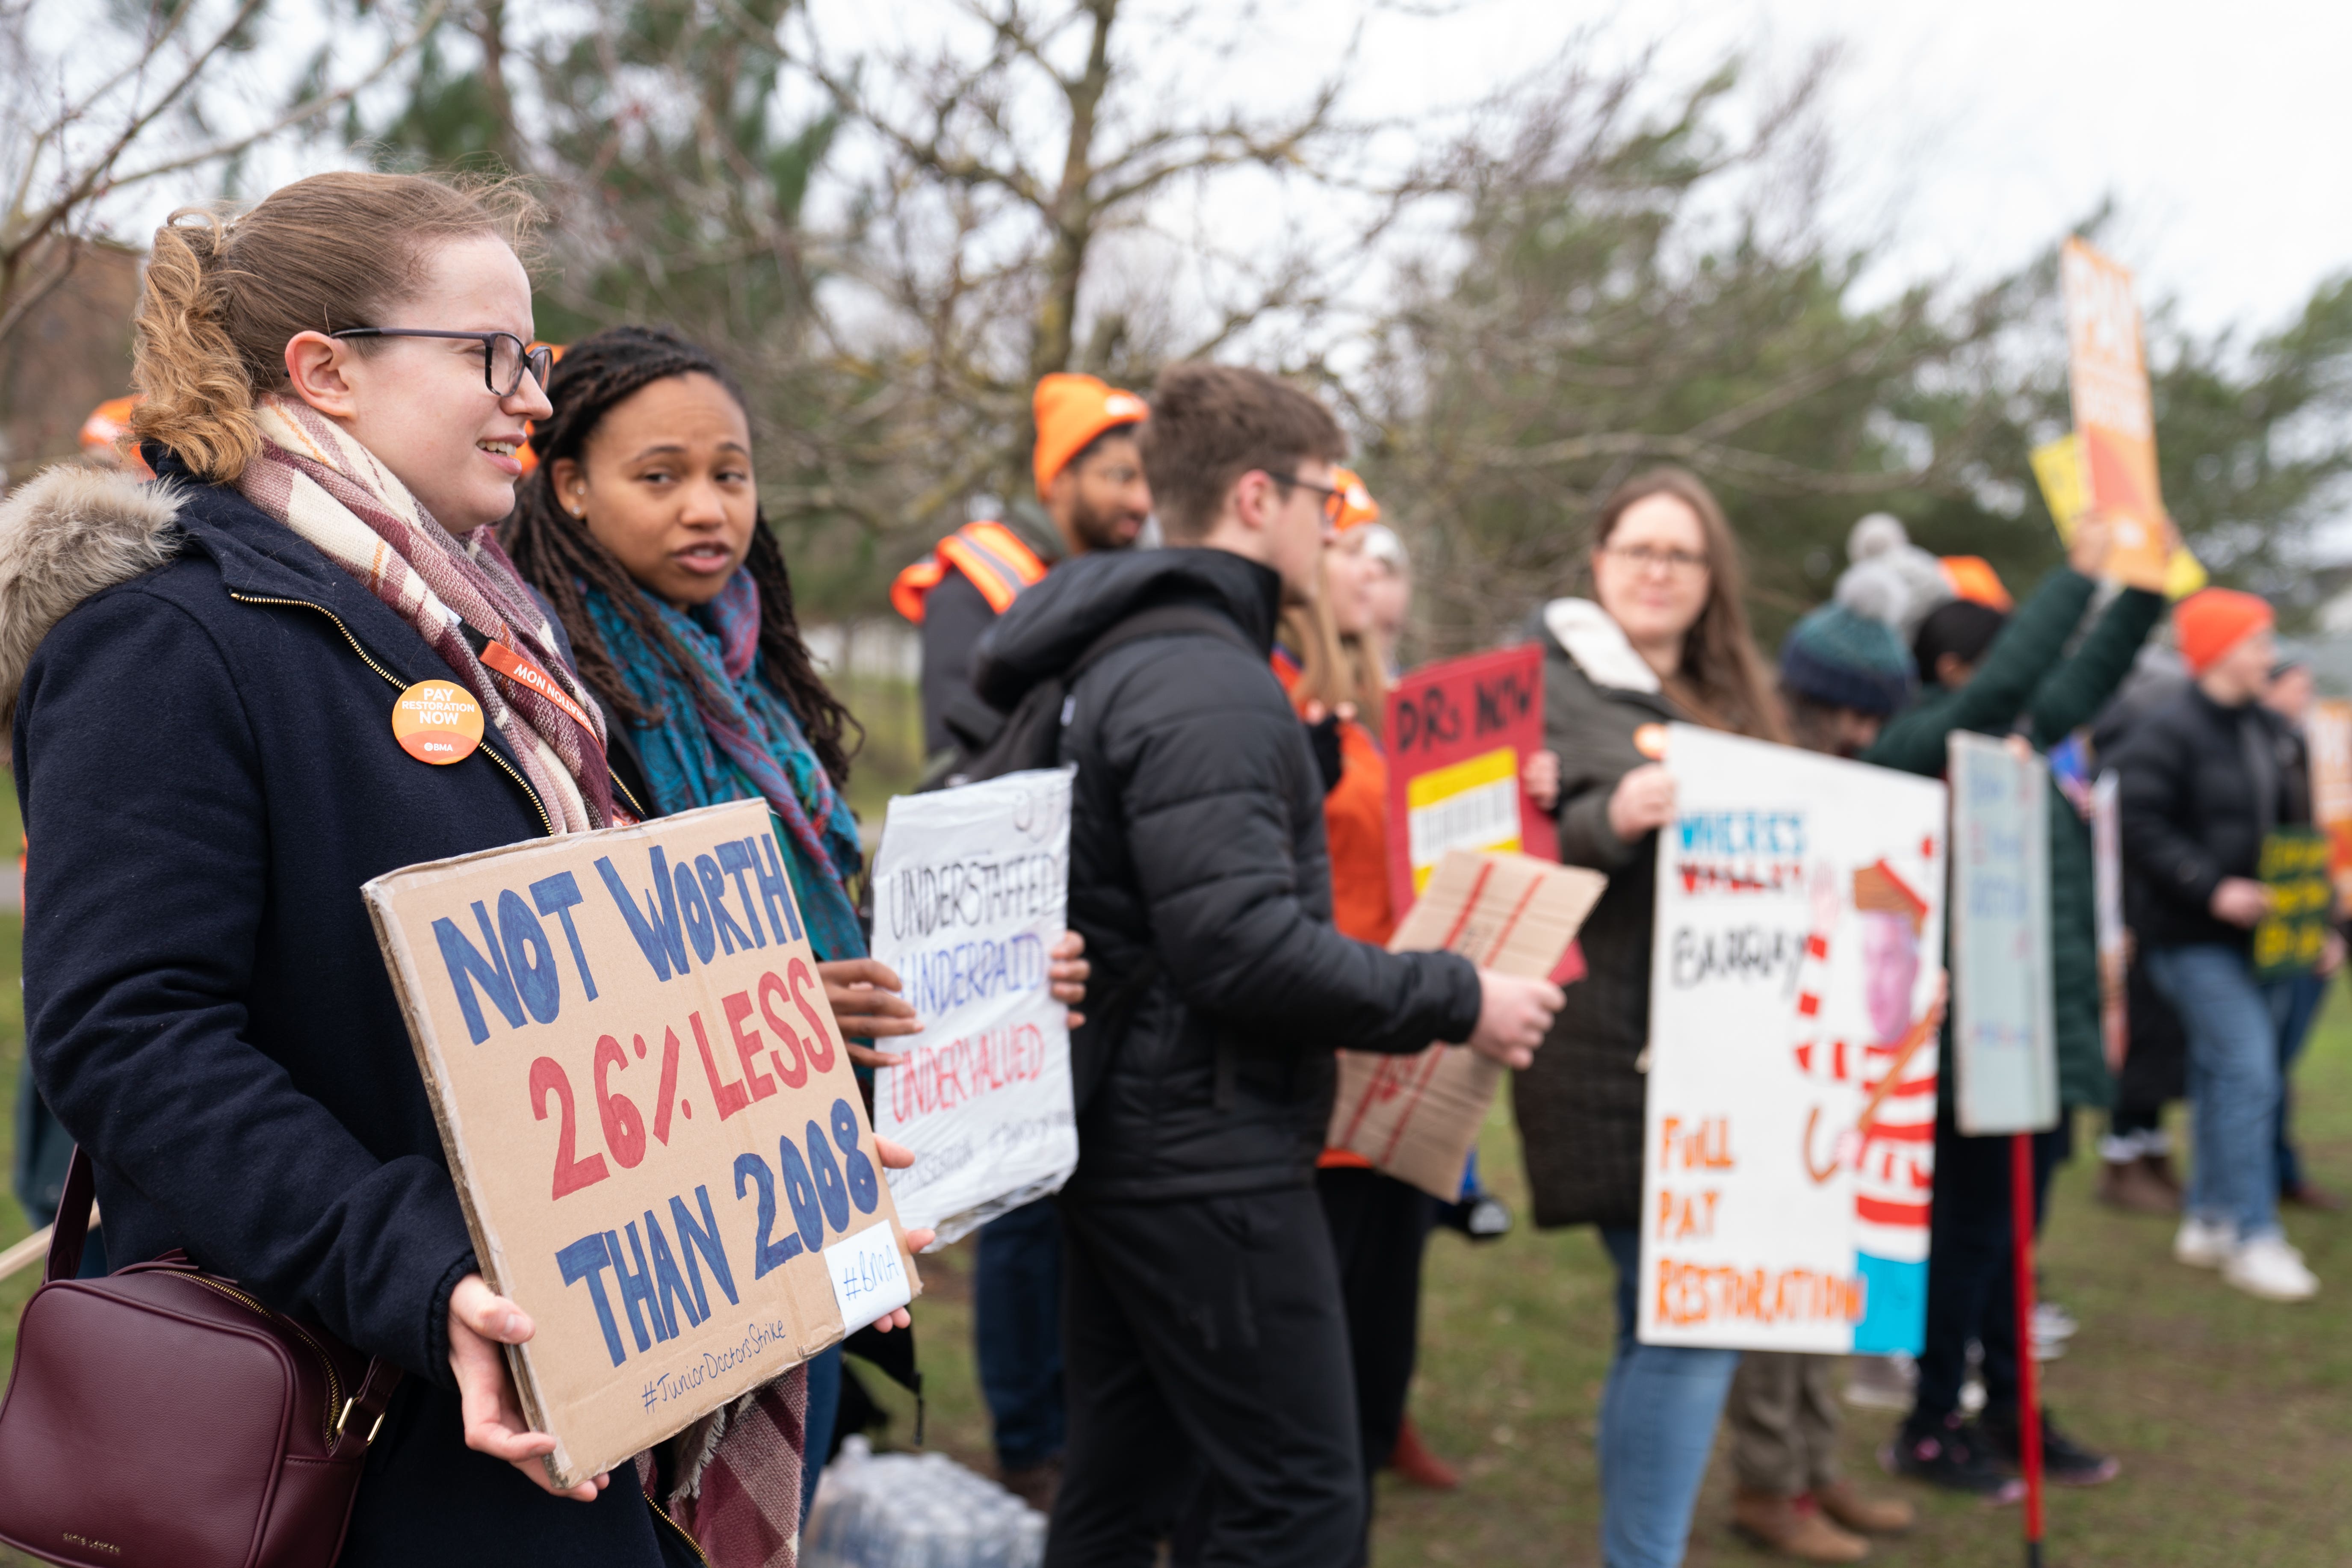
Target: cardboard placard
point(2289, 940)
point(654, 1129)
point(1457, 731)
point(1417, 1117)
point(970, 893)
point(2328, 736)
point(2114, 419)
point(1789, 1160)
point(2004, 1040)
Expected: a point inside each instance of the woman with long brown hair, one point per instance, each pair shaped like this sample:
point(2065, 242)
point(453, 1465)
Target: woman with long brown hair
point(1663, 640)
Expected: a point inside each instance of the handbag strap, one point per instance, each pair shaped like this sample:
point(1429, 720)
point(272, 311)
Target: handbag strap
point(361, 1414)
point(72, 1227)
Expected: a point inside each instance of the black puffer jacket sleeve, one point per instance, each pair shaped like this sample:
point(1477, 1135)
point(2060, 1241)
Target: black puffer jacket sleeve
point(1215, 773)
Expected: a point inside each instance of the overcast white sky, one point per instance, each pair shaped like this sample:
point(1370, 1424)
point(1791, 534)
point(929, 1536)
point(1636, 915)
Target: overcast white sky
point(2225, 132)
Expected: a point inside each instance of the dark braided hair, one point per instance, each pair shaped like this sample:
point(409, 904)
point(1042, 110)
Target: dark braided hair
point(557, 554)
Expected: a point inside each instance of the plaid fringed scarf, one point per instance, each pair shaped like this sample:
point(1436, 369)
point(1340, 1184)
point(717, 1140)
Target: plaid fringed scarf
point(315, 479)
point(737, 1476)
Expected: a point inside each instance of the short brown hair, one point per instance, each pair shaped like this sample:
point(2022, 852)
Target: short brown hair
point(227, 291)
point(1721, 683)
point(1210, 424)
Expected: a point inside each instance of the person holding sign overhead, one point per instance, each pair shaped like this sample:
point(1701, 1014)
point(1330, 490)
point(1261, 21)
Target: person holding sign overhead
point(1990, 672)
point(1663, 640)
point(642, 526)
point(299, 662)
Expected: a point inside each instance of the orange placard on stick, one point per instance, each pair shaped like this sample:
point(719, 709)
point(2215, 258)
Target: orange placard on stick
point(2114, 418)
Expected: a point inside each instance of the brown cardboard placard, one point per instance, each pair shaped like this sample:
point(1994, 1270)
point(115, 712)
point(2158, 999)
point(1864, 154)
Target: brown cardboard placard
point(1417, 1117)
point(652, 1123)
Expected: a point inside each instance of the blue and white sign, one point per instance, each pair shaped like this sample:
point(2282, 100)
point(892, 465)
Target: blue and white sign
point(2004, 1047)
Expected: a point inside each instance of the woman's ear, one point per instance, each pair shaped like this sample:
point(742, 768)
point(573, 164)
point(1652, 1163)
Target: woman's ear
point(314, 367)
point(570, 483)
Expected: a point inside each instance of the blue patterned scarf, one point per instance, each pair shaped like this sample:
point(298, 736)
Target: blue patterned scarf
point(727, 734)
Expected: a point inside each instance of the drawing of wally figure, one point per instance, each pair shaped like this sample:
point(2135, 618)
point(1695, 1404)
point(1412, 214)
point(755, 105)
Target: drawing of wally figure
point(1891, 1147)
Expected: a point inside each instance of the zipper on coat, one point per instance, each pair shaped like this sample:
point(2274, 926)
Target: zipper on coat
point(485, 748)
point(326, 1362)
point(682, 1535)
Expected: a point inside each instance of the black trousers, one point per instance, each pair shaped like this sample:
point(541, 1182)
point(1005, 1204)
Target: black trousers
point(1971, 1275)
point(2155, 1064)
point(1205, 1354)
point(1379, 1227)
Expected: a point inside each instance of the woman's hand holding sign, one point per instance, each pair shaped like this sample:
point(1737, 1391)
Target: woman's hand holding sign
point(1644, 799)
point(865, 996)
point(480, 1320)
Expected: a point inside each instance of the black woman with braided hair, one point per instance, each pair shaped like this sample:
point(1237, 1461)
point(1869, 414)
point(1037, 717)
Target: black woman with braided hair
point(642, 527)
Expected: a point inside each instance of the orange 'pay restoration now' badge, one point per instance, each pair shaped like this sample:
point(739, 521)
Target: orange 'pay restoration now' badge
point(437, 722)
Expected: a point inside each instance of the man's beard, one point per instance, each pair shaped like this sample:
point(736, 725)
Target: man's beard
point(1100, 530)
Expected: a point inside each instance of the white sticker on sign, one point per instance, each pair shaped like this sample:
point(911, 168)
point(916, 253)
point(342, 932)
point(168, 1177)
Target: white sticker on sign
point(869, 1277)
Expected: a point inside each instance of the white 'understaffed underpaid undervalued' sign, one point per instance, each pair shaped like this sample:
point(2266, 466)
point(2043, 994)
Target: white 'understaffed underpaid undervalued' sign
point(970, 893)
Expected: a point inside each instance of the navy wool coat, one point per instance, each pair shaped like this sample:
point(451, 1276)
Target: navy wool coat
point(205, 758)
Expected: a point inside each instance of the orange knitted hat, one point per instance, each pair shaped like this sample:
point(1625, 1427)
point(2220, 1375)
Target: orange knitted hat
point(1356, 502)
point(1973, 579)
point(2207, 624)
point(1071, 410)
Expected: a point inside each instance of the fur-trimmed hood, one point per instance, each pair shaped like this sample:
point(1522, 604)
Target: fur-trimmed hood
point(70, 532)
point(1590, 635)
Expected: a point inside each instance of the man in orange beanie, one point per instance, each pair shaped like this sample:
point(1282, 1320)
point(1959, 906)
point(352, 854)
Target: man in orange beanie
point(1090, 487)
point(2208, 776)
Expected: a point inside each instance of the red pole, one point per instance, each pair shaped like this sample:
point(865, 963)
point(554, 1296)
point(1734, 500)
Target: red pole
point(2029, 1373)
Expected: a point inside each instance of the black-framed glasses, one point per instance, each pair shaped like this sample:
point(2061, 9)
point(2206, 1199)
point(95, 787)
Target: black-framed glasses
point(505, 357)
point(1646, 558)
point(1334, 500)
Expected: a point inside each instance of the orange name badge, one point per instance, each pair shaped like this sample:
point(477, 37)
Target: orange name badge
point(437, 722)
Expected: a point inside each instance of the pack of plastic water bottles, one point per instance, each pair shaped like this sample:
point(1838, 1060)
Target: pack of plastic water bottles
point(916, 1511)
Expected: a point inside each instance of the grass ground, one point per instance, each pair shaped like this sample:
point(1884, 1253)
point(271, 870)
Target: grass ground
point(2233, 1417)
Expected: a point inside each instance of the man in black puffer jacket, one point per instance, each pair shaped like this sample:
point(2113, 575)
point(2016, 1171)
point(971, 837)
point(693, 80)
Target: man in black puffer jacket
point(2206, 778)
point(1204, 1342)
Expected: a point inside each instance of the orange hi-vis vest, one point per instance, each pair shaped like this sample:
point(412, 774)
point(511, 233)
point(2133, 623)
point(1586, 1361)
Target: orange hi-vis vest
point(989, 554)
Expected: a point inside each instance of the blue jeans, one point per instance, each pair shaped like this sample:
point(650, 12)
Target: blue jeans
point(1016, 1322)
point(1658, 1412)
point(2233, 1084)
point(2293, 1005)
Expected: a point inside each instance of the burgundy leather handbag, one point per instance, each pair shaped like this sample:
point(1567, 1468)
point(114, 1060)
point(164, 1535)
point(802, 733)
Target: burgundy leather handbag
point(162, 1417)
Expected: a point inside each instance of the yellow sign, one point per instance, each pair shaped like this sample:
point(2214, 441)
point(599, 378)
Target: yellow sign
point(2067, 492)
point(2289, 938)
point(1472, 804)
